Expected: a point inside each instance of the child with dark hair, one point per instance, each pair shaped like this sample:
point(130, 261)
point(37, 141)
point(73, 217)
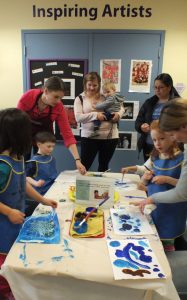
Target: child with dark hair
point(41, 168)
point(14, 143)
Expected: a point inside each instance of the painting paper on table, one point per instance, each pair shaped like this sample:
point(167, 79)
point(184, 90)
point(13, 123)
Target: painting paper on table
point(130, 221)
point(133, 259)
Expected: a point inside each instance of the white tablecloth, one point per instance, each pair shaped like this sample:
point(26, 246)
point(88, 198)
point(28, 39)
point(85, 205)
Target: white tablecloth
point(79, 268)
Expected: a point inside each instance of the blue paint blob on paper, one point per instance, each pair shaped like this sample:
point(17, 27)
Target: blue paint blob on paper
point(133, 253)
point(126, 226)
point(160, 275)
point(142, 257)
point(143, 243)
point(124, 217)
point(120, 263)
point(114, 243)
point(156, 270)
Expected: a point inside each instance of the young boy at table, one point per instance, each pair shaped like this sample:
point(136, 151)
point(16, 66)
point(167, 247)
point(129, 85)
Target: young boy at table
point(164, 167)
point(14, 143)
point(41, 168)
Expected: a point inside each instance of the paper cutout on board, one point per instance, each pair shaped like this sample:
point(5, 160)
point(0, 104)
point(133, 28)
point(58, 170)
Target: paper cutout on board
point(130, 221)
point(42, 228)
point(133, 259)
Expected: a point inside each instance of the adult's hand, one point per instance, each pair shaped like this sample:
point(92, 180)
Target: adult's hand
point(145, 127)
point(145, 202)
point(80, 167)
point(101, 116)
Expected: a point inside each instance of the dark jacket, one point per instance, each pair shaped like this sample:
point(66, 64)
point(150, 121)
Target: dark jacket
point(145, 116)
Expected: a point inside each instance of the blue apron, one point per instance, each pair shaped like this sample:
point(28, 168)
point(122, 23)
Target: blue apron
point(45, 166)
point(13, 195)
point(170, 219)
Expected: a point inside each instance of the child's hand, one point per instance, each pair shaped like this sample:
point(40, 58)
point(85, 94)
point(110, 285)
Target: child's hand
point(40, 183)
point(115, 117)
point(160, 179)
point(125, 170)
point(16, 216)
point(132, 169)
point(147, 176)
point(49, 202)
point(142, 187)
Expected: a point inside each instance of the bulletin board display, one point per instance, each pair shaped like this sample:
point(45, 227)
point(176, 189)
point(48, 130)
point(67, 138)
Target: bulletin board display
point(72, 72)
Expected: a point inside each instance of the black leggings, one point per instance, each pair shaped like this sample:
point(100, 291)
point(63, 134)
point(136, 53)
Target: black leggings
point(104, 148)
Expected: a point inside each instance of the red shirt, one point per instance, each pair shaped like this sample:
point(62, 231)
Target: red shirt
point(57, 114)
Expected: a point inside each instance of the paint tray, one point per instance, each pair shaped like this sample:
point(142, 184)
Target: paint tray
point(95, 224)
point(40, 229)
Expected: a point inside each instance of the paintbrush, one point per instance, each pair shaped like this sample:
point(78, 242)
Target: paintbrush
point(122, 177)
point(149, 170)
point(105, 171)
point(91, 212)
point(131, 197)
point(101, 173)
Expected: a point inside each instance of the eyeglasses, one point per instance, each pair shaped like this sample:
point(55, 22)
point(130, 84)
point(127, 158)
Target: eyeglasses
point(159, 87)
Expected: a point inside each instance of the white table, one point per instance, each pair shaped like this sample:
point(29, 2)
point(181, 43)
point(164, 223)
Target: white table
point(79, 269)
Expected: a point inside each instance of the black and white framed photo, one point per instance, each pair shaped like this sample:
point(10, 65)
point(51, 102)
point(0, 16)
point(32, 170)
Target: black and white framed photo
point(131, 110)
point(127, 140)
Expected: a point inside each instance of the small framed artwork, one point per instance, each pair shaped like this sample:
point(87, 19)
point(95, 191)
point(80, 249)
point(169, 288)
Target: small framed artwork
point(131, 110)
point(140, 76)
point(69, 88)
point(110, 71)
point(127, 140)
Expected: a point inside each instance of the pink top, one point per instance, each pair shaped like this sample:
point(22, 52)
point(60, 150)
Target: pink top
point(57, 114)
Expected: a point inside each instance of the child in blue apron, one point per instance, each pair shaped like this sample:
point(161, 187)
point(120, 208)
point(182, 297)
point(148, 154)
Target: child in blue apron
point(165, 165)
point(41, 168)
point(15, 139)
point(165, 168)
